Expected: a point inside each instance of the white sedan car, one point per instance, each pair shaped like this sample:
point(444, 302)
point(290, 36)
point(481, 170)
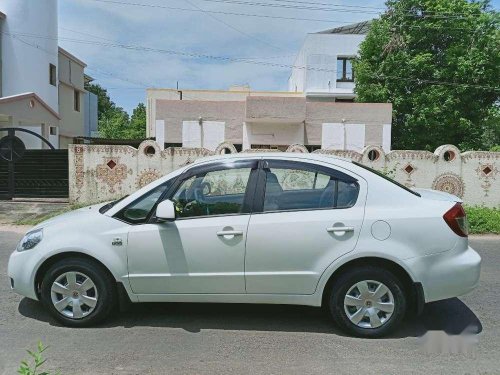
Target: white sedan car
point(301, 229)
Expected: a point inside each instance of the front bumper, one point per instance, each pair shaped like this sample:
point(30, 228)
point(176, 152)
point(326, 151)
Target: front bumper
point(448, 274)
point(21, 272)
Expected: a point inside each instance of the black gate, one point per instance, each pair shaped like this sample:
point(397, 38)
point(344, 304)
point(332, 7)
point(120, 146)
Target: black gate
point(32, 173)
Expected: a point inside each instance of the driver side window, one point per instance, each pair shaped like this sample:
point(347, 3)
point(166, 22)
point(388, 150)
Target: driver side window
point(212, 193)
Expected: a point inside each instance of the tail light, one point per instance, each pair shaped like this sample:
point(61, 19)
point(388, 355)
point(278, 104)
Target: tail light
point(456, 218)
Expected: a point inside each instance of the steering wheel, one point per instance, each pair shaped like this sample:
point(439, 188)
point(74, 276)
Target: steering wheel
point(204, 189)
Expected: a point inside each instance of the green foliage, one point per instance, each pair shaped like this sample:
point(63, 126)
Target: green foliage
point(416, 46)
point(32, 369)
point(104, 103)
point(137, 126)
point(113, 121)
point(390, 172)
point(483, 219)
point(114, 124)
point(495, 148)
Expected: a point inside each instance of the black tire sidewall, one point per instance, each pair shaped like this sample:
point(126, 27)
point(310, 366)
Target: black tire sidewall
point(105, 286)
point(351, 277)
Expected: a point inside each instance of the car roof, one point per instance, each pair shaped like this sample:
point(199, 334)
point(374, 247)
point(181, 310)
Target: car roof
point(263, 155)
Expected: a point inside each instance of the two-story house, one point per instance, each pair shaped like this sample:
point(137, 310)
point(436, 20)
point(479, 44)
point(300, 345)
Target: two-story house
point(41, 84)
point(323, 67)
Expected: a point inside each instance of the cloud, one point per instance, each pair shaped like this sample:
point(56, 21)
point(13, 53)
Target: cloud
point(265, 39)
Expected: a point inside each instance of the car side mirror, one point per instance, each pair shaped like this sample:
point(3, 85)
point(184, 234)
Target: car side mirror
point(165, 210)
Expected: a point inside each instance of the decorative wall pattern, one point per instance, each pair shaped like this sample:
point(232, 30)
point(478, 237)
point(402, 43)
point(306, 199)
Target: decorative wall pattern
point(101, 172)
point(449, 183)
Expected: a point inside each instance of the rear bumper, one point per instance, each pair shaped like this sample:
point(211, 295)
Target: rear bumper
point(446, 275)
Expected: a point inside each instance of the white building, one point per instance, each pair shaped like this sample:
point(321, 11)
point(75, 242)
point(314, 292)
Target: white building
point(323, 67)
point(41, 84)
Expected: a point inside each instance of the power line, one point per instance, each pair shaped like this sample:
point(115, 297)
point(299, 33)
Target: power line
point(249, 58)
point(222, 12)
point(343, 23)
point(314, 7)
point(331, 5)
point(232, 27)
point(299, 7)
point(138, 83)
point(249, 3)
point(336, 7)
point(248, 61)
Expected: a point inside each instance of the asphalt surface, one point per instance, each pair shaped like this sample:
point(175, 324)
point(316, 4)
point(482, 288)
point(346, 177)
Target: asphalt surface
point(257, 339)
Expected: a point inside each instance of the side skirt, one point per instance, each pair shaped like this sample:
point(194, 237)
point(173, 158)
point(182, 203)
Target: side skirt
point(279, 299)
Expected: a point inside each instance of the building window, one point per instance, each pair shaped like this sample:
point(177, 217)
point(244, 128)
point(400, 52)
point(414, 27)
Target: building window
point(345, 73)
point(52, 130)
point(76, 96)
point(52, 75)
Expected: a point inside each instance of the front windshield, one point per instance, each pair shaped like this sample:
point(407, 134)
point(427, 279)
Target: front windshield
point(107, 206)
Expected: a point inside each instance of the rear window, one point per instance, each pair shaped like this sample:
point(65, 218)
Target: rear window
point(386, 178)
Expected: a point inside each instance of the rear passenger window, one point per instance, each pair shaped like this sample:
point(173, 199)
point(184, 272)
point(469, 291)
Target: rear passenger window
point(305, 189)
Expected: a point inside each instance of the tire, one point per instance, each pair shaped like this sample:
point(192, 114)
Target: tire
point(72, 276)
point(355, 290)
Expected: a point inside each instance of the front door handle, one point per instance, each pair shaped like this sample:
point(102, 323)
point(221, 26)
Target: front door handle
point(230, 233)
point(340, 229)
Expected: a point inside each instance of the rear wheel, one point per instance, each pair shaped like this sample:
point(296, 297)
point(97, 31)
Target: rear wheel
point(367, 302)
point(78, 292)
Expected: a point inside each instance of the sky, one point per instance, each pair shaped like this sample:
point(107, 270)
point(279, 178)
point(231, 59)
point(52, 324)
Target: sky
point(194, 43)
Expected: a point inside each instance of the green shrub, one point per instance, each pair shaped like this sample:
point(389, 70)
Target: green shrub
point(38, 361)
point(483, 219)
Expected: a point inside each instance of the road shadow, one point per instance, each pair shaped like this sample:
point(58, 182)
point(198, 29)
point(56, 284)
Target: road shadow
point(451, 316)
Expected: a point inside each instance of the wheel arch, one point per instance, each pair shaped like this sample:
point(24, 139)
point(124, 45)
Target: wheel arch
point(47, 263)
point(411, 287)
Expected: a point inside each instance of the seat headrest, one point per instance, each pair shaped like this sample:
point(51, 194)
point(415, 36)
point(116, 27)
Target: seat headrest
point(272, 183)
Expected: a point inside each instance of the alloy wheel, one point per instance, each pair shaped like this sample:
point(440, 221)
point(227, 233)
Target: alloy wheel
point(369, 304)
point(74, 295)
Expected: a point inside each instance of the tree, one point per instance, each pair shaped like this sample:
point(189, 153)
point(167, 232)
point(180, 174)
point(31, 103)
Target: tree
point(114, 124)
point(104, 103)
point(438, 63)
point(114, 121)
point(137, 126)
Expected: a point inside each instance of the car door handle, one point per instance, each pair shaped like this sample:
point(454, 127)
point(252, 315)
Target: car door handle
point(230, 233)
point(340, 229)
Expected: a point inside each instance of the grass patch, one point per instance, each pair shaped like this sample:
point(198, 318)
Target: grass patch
point(35, 219)
point(483, 219)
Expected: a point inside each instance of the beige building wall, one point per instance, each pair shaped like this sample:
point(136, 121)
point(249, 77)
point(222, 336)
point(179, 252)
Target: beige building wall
point(255, 118)
point(372, 115)
point(231, 102)
point(71, 80)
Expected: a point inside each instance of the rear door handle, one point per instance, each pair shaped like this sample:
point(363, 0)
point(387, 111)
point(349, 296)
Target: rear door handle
point(340, 229)
point(230, 233)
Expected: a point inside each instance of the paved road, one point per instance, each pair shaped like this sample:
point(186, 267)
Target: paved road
point(256, 339)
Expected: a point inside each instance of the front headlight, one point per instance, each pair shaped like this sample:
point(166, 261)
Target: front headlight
point(30, 240)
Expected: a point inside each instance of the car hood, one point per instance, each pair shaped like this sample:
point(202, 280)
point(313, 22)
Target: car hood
point(84, 211)
point(437, 195)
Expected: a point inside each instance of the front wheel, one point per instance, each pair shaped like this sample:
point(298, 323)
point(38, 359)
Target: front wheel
point(367, 302)
point(78, 292)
